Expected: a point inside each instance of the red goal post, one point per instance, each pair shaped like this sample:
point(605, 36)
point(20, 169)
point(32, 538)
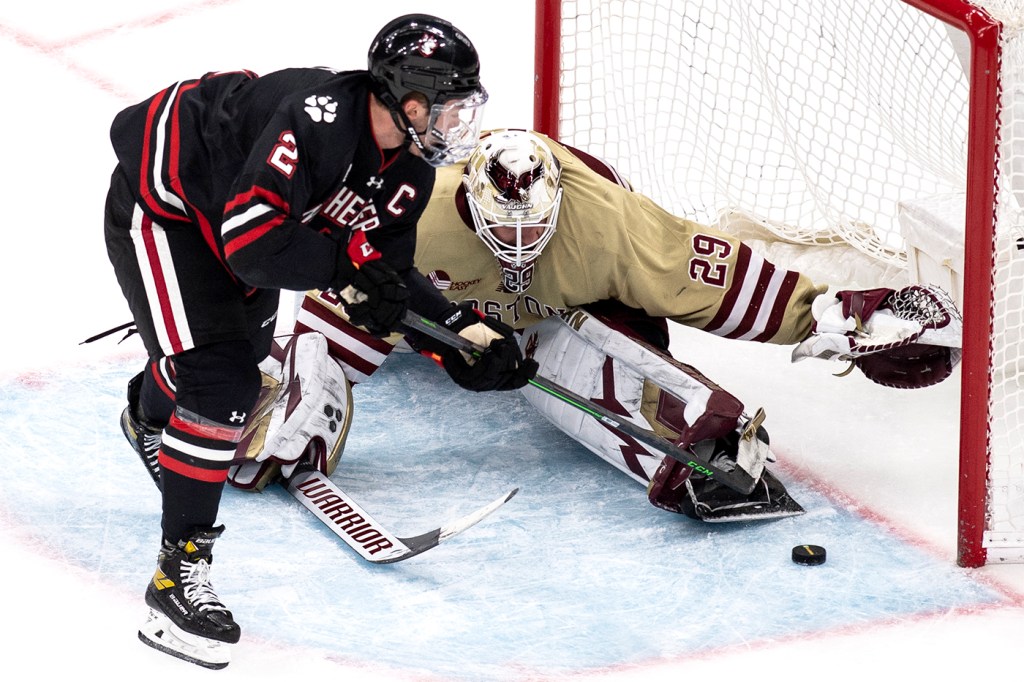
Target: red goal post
point(880, 132)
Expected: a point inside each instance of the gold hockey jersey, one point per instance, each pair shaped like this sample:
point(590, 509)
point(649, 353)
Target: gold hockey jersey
point(613, 243)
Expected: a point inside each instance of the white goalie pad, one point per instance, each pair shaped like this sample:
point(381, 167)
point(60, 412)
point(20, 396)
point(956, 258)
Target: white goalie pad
point(305, 409)
point(632, 380)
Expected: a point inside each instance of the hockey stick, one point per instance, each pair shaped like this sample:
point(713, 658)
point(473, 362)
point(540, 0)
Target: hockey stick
point(737, 479)
point(350, 522)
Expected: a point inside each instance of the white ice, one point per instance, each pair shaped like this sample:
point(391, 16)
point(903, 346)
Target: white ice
point(880, 461)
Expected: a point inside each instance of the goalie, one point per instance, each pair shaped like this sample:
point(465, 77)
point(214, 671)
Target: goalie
point(590, 272)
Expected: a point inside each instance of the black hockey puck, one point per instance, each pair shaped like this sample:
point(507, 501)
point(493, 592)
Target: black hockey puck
point(809, 555)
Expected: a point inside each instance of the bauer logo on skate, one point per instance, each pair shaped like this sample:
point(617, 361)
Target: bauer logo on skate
point(339, 511)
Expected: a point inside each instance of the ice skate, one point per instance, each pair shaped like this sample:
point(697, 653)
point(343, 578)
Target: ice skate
point(710, 501)
point(746, 449)
point(186, 618)
point(144, 438)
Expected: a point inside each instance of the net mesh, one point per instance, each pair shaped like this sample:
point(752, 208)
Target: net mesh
point(821, 125)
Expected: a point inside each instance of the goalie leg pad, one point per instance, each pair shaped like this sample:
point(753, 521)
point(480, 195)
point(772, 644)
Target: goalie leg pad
point(359, 353)
point(304, 413)
point(630, 379)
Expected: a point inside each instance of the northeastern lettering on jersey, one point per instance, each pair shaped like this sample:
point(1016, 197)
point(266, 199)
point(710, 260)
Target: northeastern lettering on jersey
point(348, 209)
point(366, 195)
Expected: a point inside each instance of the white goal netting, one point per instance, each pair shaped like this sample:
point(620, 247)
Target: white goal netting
point(836, 136)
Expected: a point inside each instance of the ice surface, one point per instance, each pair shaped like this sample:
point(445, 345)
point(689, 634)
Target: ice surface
point(577, 577)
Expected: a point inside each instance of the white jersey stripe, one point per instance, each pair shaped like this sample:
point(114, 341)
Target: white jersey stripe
point(206, 454)
point(746, 295)
point(250, 214)
point(351, 344)
point(162, 134)
point(767, 305)
point(161, 283)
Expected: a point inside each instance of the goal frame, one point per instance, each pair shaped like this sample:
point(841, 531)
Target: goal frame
point(984, 35)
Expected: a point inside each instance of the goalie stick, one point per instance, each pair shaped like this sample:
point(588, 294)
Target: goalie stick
point(357, 529)
point(737, 478)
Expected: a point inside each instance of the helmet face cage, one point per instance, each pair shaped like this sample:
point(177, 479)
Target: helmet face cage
point(453, 129)
point(512, 181)
point(423, 54)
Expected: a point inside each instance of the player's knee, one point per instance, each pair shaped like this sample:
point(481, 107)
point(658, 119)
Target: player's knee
point(219, 382)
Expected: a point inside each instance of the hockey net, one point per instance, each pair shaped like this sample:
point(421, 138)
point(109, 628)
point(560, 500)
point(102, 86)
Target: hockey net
point(858, 142)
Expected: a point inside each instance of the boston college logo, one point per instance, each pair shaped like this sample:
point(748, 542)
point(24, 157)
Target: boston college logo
point(513, 190)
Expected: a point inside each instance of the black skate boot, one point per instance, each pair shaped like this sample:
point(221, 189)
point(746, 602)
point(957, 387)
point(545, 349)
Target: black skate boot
point(677, 489)
point(144, 438)
point(186, 617)
point(710, 501)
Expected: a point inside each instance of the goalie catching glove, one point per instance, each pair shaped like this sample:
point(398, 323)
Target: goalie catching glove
point(501, 367)
point(908, 338)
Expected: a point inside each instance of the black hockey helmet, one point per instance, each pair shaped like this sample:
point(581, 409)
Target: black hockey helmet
point(420, 53)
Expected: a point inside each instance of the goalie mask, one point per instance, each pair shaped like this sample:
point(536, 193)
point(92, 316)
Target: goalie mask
point(513, 193)
point(419, 54)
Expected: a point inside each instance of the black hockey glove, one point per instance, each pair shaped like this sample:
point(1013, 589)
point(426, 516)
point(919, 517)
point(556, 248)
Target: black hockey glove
point(501, 367)
point(376, 297)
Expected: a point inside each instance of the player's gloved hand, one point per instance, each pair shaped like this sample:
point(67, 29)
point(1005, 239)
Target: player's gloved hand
point(501, 367)
point(376, 297)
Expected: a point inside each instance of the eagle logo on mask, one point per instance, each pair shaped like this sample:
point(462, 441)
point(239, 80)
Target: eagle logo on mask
point(513, 190)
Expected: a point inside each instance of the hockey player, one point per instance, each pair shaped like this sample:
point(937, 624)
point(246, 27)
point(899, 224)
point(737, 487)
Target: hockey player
point(231, 187)
point(553, 242)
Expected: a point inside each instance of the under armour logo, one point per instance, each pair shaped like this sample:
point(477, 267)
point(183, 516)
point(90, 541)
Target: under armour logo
point(375, 182)
point(237, 418)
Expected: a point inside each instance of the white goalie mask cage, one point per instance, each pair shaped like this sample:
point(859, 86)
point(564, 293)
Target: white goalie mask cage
point(512, 181)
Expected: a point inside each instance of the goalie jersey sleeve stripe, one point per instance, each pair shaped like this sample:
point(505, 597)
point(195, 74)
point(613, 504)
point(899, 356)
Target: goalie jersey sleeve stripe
point(753, 308)
point(359, 353)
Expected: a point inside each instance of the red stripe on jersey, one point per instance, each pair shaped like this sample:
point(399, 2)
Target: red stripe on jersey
point(243, 240)
point(174, 141)
point(265, 196)
point(160, 283)
point(188, 471)
point(150, 164)
point(173, 163)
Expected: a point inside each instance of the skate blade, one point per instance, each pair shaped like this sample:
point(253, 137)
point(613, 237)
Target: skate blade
point(160, 633)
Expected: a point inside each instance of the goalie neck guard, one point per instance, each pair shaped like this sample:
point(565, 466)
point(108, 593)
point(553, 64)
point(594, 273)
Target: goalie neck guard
point(513, 193)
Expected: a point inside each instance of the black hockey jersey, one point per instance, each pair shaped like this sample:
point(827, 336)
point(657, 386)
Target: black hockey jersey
point(277, 172)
